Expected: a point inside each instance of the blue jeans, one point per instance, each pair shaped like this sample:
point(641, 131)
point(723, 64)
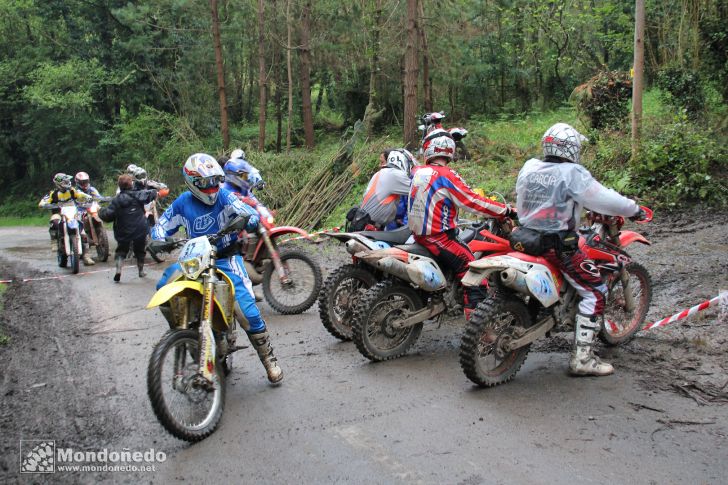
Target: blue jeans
point(234, 268)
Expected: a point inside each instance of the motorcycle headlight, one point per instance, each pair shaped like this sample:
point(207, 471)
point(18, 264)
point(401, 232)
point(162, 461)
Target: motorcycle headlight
point(191, 267)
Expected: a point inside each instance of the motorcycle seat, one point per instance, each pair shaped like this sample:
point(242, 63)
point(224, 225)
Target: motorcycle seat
point(398, 236)
point(416, 249)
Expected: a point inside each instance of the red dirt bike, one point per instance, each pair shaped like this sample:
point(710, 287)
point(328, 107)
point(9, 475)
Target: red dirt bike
point(151, 214)
point(529, 299)
point(291, 279)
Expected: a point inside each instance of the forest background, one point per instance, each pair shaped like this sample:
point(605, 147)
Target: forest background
point(95, 85)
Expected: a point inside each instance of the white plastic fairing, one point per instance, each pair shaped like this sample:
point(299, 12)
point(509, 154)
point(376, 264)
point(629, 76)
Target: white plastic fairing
point(542, 285)
point(426, 274)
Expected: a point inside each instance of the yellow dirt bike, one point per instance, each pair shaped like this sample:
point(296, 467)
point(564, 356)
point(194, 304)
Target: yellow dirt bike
point(187, 369)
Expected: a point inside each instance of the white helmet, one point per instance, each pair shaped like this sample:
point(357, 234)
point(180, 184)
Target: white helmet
point(203, 176)
point(440, 147)
point(237, 153)
point(563, 141)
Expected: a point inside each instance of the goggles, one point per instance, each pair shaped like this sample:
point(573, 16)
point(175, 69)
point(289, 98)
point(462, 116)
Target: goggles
point(204, 183)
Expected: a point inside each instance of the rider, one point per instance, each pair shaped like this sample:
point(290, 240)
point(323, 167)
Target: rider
point(141, 182)
point(550, 195)
point(436, 194)
point(63, 193)
point(387, 187)
point(205, 209)
point(83, 184)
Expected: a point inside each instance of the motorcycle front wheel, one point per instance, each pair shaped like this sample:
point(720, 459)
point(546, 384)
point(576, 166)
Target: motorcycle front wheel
point(619, 324)
point(303, 287)
point(159, 257)
point(482, 356)
point(372, 329)
point(75, 254)
point(341, 290)
point(102, 246)
point(186, 411)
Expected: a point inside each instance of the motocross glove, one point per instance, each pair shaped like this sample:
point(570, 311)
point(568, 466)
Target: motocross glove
point(511, 212)
point(640, 216)
point(252, 224)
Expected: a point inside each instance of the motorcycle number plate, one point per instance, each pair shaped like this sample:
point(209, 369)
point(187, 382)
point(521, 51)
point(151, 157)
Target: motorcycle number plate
point(198, 247)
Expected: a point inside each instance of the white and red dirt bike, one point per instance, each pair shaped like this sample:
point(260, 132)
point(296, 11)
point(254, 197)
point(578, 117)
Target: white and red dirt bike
point(70, 243)
point(95, 232)
point(388, 318)
point(186, 386)
point(529, 299)
point(290, 278)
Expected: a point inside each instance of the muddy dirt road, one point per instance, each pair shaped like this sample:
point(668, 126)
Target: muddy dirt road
point(74, 372)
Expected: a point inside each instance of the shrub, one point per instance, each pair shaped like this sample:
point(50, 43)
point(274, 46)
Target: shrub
point(604, 99)
point(683, 89)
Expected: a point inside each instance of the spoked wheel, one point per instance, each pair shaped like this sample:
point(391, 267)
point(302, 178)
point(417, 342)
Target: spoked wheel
point(159, 257)
point(620, 325)
point(61, 255)
point(187, 411)
point(75, 255)
point(102, 246)
point(483, 357)
point(303, 287)
point(372, 329)
point(341, 290)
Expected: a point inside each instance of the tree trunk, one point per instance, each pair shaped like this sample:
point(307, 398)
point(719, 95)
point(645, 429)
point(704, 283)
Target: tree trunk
point(372, 112)
point(278, 81)
point(426, 81)
point(262, 81)
point(220, 76)
point(639, 67)
point(289, 47)
point(410, 78)
point(306, 75)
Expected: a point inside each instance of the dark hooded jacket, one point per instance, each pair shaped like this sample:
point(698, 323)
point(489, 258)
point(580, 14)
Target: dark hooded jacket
point(126, 211)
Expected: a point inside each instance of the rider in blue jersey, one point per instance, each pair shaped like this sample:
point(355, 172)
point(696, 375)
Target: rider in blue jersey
point(206, 209)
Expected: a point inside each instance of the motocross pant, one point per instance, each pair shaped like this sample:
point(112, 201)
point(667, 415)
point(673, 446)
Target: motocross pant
point(139, 246)
point(450, 252)
point(234, 268)
point(581, 273)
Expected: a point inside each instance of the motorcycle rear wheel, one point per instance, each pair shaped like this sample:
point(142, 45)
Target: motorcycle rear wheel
point(619, 326)
point(491, 325)
point(182, 346)
point(340, 292)
point(304, 287)
point(371, 326)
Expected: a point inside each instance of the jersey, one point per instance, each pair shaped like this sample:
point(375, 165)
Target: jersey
point(550, 196)
point(383, 194)
point(58, 196)
point(436, 195)
point(200, 219)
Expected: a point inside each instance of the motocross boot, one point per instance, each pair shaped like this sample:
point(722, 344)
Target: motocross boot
point(140, 266)
point(261, 343)
point(583, 361)
point(119, 261)
point(54, 245)
point(86, 258)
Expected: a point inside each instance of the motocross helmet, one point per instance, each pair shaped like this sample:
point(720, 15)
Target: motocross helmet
point(563, 141)
point(203, 176)
point(440, 147)
point(237, 153)
point(436, 133)
point(399, 161)
point(237, 171)
point(82, 180)
point(254, 179)
point(62, 181)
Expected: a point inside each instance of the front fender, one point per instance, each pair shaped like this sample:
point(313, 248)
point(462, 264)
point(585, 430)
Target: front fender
point(279, 231)
point(628, 237)
point(165, 293)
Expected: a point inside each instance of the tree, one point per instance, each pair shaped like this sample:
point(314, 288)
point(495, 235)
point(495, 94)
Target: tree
point(306, 74)
point(373, 113)
point(410, 77)
point(261, 76)
point(639, 66)
point(220, 75)
point(289, 48)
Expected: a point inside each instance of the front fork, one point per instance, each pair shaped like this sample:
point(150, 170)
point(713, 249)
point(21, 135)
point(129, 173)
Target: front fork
point(207, 339)
point(281, 270)
point(629, 303)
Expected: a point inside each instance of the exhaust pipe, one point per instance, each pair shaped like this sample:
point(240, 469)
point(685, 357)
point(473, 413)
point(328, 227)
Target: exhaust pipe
point(514, 279)
point(255, 277)
point(353, 246)
point(394, 267)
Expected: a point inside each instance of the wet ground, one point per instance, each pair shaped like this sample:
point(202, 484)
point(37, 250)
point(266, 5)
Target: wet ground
point(74, 372)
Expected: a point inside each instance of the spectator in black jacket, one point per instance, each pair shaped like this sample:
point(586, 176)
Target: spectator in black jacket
point(126, 211)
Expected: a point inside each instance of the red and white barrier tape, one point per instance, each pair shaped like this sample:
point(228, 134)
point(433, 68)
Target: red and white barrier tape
point(311, 234)
point(61, 276)
point(722, 299)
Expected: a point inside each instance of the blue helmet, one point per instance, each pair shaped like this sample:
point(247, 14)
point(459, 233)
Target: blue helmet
point(237, 172)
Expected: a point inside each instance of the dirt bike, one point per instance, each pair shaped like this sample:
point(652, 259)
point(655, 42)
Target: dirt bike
point(95, 231)
point(528, 299)
point(388, 318)
point(70, 227)
point(346, 285)
point(151, 214)
point(199, 307)
point(433, 121)
point(291, 279)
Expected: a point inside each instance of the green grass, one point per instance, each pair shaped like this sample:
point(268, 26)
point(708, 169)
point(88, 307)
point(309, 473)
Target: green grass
point(10, 221)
